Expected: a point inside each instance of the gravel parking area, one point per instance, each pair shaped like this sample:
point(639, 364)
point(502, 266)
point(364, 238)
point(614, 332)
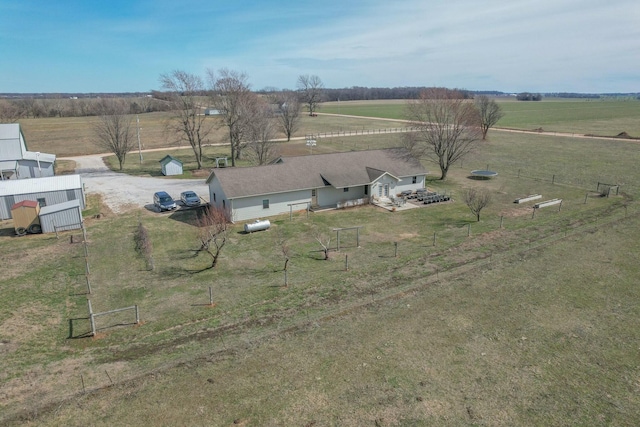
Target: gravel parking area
point(122, 192)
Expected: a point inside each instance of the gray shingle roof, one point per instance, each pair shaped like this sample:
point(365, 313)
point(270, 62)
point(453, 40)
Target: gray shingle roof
point(304, 172)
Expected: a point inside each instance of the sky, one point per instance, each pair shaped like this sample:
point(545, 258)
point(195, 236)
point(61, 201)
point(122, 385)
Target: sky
point(82, 46)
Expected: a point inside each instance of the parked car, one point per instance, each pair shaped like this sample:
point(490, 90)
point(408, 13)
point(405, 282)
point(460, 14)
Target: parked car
point(163, 201)
point(189, 198)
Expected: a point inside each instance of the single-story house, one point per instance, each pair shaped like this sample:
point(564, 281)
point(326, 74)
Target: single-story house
point(320, 181)
point(61, 217)
point(16, 162)
point(46, 191)
point(171, 165)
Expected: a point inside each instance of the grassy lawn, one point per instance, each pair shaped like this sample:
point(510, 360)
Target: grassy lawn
point(513, 320)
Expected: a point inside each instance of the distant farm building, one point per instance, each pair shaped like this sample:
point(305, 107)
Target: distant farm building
point(211, 112)
point(16, 162)
point(170, 166)
point(47, 191)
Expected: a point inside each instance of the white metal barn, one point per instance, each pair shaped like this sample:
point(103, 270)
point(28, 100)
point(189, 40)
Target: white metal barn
point(171, 166)
point(320, 181)
point(46, 191)
point(61, 217)
point(16, 162)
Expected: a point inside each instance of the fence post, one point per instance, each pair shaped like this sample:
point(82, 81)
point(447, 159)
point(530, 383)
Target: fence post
point(137, 315)
point(533, 215)
point(210, 296)
point(395, 255)
point(553, 179)
point(91, 319)
point(346, 262)
point(560, 206)
point(585, 198)
point(434, 238)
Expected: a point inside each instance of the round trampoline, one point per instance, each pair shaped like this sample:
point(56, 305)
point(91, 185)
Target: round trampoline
point(486, 174)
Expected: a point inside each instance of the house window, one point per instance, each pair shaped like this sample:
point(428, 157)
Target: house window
point(265, 204)
point(415, 180)
point(346, 189)
point(42, 202)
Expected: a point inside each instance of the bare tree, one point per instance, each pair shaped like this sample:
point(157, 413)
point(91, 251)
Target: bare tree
point(233, 98)
point(288, 112)
point(9, 112)
point(282, 244)
point(188, 123)
point(489, 111)
point(324, 241)
point(448, 127)
point(311, 91)
point(261, 148)
point(476, 200)
point(113, 130)
point(213, 226)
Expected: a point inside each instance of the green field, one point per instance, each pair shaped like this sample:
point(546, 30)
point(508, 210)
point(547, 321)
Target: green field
point(512, 320)
point(606, 117)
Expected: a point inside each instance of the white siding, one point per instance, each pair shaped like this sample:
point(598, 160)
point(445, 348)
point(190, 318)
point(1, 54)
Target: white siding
point(172, 168)
point(329, 196)
point(248, 208)
point(406, 183)
point(216, 195)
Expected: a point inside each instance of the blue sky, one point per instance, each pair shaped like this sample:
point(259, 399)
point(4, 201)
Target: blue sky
point(517, 45)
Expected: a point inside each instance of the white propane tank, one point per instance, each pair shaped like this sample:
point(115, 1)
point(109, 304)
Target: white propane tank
point(258, 225)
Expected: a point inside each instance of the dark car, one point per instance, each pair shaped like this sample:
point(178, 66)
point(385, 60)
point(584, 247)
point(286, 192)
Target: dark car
point(163, 201)
point(189, 198)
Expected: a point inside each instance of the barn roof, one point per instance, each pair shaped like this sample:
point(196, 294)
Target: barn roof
point(338, 170)
point(40, 185)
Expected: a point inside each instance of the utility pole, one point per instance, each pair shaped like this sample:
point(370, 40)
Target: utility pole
point(138, 131)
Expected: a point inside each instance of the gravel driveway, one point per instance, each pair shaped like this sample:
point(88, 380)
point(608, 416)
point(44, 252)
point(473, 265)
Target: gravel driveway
point(122, 192)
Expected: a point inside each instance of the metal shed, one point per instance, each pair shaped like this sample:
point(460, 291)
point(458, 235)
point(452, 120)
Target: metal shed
point(171, 166)
point(61, 217)
point(46, 191)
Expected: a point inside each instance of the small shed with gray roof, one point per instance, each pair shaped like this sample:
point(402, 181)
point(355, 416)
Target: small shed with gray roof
point(46, 191)
point(321, 181)
point(171, 166)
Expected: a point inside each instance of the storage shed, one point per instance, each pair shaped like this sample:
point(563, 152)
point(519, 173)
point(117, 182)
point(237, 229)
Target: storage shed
point(25, 217)
point(46, 191)
point(171, 166)
point(61, 217)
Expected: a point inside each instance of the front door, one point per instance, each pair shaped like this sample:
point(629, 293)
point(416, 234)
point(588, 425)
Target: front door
point(314, 197)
